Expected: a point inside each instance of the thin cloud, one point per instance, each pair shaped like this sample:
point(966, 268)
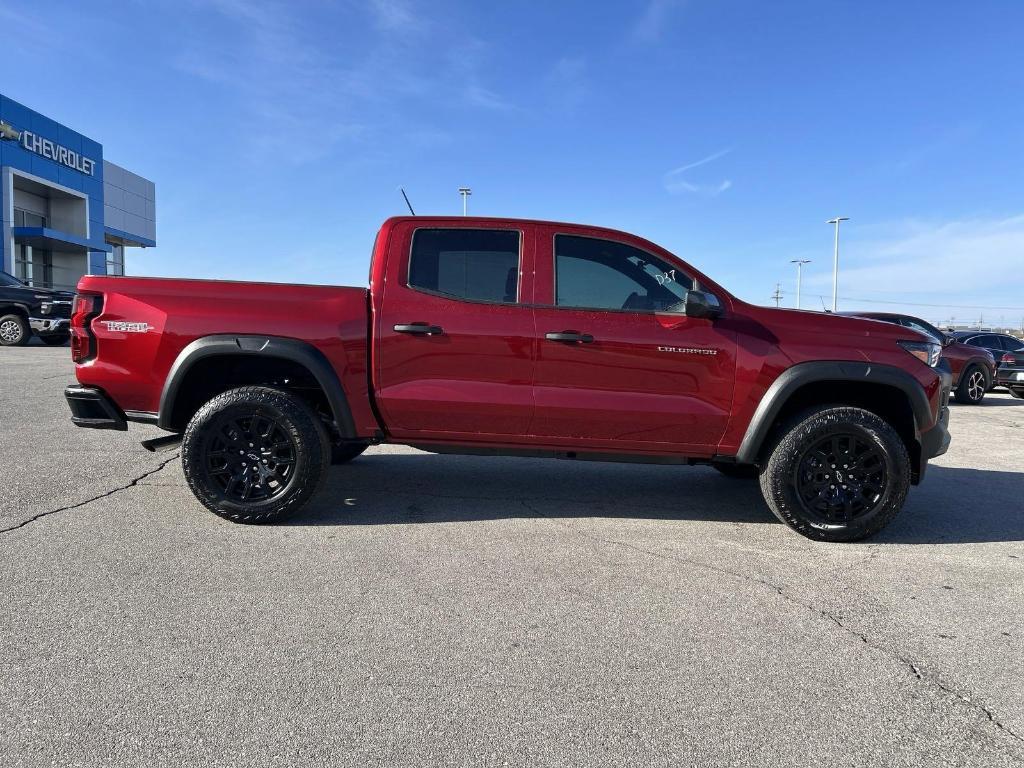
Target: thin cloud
point(925, 257)
point(675, 182)
point(649, 26)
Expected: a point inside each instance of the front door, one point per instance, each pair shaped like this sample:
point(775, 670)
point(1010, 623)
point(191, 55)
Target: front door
point(455, 333)
point(618, 366)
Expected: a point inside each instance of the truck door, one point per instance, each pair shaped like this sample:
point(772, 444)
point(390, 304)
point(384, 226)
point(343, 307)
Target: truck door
point(454, 331)
point(617, 366)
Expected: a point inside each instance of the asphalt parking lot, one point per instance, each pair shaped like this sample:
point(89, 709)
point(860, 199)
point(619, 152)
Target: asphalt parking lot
point(429, 610)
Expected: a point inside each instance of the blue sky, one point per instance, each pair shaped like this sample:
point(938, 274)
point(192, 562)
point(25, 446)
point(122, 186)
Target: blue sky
point(278, 133)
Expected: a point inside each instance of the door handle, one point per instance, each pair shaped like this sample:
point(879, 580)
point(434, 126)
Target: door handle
point(572, 337)
point(420, 329)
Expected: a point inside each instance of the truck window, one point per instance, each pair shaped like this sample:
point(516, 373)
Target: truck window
point(602, 274)
point(473, 264)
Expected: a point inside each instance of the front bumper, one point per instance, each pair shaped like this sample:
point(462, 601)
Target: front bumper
point(49, 324)
point(93, 408)
point(935, 441)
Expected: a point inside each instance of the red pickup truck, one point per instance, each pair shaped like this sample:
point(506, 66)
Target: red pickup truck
point(513, 337)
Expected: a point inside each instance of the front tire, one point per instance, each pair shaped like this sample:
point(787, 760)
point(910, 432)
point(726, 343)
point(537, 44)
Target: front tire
point(837, 474)
point(14, 331)
point(972, 387)
point(255, 454)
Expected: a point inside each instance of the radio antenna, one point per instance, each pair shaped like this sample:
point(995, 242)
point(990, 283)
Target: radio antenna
point(402, 190)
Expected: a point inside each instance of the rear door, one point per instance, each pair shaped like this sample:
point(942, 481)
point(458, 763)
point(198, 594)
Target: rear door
point(618, 367)
point(454, 331)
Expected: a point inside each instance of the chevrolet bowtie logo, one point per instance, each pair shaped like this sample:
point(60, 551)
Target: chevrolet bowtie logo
point(7, 132)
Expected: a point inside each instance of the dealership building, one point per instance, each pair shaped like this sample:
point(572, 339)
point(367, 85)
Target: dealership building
point(66, 211)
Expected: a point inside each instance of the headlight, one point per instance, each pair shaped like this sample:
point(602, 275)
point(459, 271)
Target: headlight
point(46, 308)
point(927, 352)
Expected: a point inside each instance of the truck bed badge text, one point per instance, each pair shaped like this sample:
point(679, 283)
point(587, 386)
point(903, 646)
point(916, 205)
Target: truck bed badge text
point(126, 327)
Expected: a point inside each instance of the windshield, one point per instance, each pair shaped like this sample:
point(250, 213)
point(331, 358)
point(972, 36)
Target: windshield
point(10, 280)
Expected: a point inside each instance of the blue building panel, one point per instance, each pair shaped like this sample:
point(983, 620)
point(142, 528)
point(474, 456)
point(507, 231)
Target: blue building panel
point(40, 158)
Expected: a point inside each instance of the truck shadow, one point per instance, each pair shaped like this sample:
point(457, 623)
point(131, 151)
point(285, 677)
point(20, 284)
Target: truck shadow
point(954, 505)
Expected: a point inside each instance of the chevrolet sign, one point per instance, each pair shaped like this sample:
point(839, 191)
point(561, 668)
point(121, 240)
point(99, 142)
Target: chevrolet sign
point(57, 153)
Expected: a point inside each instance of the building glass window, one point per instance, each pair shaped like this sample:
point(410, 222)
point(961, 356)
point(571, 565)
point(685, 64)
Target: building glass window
point(115, 260)
point(23, 218)
point(33, 266)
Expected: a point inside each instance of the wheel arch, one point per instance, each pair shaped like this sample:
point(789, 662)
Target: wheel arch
point(889, 392)
point(299, 355)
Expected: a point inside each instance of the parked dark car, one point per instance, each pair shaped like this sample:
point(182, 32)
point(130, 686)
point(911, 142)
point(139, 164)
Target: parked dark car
point(973, 367)
point(1010, 373)
point(25, 310)
point(996, 343)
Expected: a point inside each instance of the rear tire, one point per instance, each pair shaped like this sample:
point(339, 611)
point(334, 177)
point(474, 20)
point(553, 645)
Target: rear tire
point(973, 385)
point(255, 454)
point(837, 474)
point(14, 331)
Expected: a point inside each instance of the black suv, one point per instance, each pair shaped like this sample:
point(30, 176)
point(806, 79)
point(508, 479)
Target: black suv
point(24, 310)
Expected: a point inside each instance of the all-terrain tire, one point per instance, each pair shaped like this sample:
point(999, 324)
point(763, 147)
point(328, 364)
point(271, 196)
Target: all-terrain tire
point(973, 385)
point(14, 331)
point(738, 471)
point(343, 454)
point(847, 454)
point(266, 437)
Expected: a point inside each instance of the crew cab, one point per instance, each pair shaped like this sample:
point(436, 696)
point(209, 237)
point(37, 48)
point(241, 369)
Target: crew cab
point(513, 337)
point(25, 310)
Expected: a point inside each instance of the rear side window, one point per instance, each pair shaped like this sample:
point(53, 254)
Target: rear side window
point(473, 264)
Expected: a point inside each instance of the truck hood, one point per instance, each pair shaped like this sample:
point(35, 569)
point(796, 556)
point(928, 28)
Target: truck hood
point(805, 332)
point(50, 293)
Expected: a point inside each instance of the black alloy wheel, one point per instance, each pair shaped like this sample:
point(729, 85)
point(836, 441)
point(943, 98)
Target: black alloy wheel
point(250, 457)
point(840, 478)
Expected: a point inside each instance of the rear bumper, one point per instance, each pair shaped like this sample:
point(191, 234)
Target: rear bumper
point(91, 407)
point(1010, 377)
point(49, 324)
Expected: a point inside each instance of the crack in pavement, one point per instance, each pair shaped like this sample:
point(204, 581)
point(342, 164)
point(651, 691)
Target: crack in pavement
point(918, 672)
point(105, 494)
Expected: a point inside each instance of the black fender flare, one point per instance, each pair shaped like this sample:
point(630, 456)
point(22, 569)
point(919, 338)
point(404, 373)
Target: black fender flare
point(801, 374)
point(295, 350)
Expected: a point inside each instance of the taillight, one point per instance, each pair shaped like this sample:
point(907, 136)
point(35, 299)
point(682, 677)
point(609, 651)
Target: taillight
point(1008, 358)
point(83, 343)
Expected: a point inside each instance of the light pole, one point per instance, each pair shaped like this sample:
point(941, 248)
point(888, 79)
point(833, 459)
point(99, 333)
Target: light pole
point(799, 268)
point(465, 192)
point(835, 263)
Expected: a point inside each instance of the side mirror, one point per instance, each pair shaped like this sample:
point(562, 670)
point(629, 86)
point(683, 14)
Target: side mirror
point(701, 304)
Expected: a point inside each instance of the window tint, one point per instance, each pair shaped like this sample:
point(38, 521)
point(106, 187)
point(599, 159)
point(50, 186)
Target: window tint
point(1010, 344)
point(476, 264)
point(602, 274)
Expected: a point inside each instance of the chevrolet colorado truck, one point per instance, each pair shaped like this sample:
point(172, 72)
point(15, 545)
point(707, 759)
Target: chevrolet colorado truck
point(513, 337)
